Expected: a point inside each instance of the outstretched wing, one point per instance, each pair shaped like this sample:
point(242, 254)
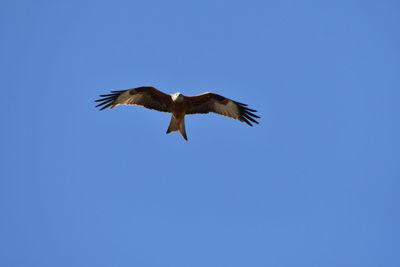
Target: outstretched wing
point(209, 102)
point(146, 96)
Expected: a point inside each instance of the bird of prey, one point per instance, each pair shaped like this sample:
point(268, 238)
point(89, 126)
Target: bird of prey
point(179, 105)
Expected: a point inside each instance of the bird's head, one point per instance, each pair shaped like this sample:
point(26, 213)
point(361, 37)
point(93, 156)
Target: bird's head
point(177, 96)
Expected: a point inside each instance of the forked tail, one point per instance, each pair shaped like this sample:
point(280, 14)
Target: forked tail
point(177, 125)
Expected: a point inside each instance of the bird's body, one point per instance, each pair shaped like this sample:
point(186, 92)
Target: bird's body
point(179, 105)
point(178, 115)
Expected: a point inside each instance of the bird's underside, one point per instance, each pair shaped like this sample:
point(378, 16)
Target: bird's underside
point(179, 105)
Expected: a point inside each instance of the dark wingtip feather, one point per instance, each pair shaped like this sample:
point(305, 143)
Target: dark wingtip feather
point(107, 95)
point(246, 121)
point(240, 104)
point(249, 109)
point(105, 99)
point(106, 106)
point(255, 116)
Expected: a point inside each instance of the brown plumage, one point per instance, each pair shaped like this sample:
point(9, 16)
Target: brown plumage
point(179, 105)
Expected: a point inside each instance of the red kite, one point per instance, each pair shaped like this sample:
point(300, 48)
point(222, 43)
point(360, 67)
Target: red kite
point(179, 105)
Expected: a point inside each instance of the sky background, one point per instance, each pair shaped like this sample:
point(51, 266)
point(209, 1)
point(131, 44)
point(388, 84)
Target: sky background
point(315, 184)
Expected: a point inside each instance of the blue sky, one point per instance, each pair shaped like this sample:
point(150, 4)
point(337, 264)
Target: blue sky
point(315, 184)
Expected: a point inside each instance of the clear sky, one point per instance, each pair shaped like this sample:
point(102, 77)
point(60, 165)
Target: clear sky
point(315, 184)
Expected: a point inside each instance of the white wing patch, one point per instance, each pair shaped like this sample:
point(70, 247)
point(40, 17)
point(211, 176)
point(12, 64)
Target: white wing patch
point(127, 98)
point(230, 109)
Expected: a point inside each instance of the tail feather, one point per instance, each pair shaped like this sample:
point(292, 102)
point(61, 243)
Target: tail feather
point(182, 129)
point(173, 125)
point(177, 125)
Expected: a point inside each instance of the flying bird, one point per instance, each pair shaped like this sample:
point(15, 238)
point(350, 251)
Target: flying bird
point(179, 105)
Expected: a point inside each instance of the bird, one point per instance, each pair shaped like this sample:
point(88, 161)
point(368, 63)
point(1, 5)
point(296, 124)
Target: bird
point(179, 105)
